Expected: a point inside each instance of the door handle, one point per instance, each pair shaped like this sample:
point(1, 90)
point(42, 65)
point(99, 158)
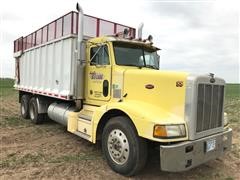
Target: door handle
point(105, 88)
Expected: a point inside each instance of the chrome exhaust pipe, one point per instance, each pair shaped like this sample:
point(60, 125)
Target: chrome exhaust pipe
point(80, 23)
point(140, 28)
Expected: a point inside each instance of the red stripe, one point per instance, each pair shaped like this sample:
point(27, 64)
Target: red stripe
point(71, 22)
point(65, 97)
point(77, 25)
point(108, 21)
point(115, 28)
point(45, 93)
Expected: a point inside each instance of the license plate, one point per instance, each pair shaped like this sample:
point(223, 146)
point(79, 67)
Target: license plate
point(210, 145)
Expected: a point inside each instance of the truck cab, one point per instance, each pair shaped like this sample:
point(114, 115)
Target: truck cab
point(107, 58)
point(125, 86)
point(110, 89)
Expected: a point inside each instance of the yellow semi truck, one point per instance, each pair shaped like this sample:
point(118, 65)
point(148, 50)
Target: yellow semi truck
point(103, 83)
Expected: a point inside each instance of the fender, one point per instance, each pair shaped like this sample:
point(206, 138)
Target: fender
point(42, 104)
point(143, 115)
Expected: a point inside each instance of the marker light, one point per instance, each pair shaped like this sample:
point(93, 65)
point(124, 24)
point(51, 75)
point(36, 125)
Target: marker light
point(150, 38)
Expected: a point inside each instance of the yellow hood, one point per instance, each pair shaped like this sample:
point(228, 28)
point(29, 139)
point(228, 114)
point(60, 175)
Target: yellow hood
point(163, 89)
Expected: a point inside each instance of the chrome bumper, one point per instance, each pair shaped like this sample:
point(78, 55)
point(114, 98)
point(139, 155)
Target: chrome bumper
point(189, 154)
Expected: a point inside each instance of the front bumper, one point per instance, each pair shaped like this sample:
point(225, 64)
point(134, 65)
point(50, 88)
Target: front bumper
point(186, 155)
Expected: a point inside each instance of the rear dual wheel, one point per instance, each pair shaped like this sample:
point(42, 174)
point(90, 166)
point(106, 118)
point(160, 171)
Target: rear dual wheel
point(35, 117)
point(24, 107)
point(29, 109)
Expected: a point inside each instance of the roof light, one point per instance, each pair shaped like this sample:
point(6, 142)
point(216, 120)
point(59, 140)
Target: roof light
point(125, 32)
point(150, 38)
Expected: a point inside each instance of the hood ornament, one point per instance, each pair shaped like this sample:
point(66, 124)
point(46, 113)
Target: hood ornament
point(212, 79)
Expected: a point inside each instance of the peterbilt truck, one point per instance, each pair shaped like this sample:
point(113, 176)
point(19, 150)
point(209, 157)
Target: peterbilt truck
point(102, 82)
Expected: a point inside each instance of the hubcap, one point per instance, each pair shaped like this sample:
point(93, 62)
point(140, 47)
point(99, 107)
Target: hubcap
point(118, 146)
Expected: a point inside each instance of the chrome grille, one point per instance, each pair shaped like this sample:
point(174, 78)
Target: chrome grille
point(209, 106)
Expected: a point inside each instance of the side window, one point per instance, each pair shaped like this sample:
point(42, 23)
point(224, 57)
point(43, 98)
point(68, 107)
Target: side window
point(99, 55)
point(149, 60)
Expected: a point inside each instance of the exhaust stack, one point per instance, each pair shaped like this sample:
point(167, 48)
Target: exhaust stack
point(78, 80)
point(80, 33)
point(80, 22)
point(140, 27)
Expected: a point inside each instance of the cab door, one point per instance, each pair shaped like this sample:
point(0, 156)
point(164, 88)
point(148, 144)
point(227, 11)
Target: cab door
point(99, 73)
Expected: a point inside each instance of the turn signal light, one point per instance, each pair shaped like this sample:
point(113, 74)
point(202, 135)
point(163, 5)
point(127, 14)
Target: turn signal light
point(159, 131)
point(169, 131)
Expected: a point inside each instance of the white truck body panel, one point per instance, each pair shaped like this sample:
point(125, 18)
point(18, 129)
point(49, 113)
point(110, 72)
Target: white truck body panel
point(50, 62)
point(49, 69)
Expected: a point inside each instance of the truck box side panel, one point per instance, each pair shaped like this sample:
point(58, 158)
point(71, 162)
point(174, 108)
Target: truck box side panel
point(49, 69)
point(47, 59)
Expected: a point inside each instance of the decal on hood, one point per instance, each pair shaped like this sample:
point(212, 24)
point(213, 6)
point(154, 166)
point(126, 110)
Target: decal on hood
point(179, 84)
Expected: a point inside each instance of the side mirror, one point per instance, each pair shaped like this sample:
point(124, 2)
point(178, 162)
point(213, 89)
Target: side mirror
point(158, 61)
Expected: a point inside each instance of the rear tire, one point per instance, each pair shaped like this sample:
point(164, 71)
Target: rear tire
point(125, 151)
point(35, 117)
point(24, 106)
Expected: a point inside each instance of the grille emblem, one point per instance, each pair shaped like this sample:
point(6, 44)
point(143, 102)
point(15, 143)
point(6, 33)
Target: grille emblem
point(149, 86)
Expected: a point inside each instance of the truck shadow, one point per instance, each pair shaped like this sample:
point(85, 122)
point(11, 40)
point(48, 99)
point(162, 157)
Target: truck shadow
point(152, 169)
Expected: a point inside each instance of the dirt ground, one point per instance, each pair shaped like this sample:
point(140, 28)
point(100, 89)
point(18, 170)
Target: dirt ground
point(48, 151)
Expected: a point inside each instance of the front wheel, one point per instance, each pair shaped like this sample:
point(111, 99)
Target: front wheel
point(126, 153)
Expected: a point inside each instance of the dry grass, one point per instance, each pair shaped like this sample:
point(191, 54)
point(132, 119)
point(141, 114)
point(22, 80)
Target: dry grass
point(48, 151)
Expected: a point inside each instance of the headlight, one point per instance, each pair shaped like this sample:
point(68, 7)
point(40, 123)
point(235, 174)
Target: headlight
point(169, 131)
point(225, 119)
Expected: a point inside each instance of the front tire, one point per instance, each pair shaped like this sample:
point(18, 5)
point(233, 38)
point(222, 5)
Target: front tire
point(125, 151)
point(35, 117)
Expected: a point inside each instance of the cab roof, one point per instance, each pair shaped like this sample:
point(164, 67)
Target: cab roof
point(105, 39)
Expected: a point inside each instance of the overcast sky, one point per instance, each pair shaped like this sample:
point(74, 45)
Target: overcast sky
point(194, 35)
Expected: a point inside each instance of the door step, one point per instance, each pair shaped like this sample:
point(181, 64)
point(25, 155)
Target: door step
point(85, 117)
point(84, 122)
point(87, 112)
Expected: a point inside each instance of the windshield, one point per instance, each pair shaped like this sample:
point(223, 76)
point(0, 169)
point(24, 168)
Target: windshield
point(127, 54)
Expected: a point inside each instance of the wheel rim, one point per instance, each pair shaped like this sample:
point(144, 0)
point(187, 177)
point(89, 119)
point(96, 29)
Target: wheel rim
point(32, 111)
point(118, 146)
point(23, 109)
